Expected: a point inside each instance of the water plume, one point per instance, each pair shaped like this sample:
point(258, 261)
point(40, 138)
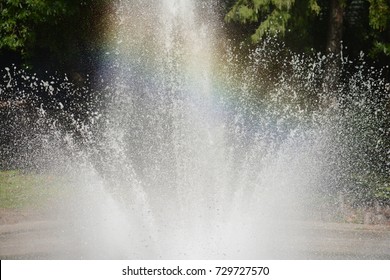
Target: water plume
point(195, 153)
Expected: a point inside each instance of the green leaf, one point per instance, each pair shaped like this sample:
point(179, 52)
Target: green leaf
point(247, 14)
point(379, 14)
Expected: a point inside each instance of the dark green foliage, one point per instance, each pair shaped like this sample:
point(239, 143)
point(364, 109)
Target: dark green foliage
point(274, 15)
point(19, 19)
point(55, 35)
point(305, 24)
point(379, 15)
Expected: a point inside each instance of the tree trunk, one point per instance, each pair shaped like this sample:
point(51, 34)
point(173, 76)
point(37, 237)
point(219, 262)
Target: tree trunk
point(333, 46)
point(335, 31)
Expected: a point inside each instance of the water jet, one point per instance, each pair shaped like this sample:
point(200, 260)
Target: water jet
point(194, 153)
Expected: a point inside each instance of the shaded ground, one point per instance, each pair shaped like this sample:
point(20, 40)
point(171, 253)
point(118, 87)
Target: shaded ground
point(31, 229)
point(346, 241)
point(31, 235)
point(26, 234)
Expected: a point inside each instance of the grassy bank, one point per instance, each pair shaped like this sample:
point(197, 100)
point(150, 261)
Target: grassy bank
point(25, 190)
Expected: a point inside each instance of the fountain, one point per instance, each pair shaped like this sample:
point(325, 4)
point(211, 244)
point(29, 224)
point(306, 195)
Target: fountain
point(194, 153)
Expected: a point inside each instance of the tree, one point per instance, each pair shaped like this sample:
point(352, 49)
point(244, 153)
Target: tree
point(379, 19)
point(52, 35)
point(19, 19)
point(274, 15)
point(291, 21)
point(335, 30)
point(362, 24)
